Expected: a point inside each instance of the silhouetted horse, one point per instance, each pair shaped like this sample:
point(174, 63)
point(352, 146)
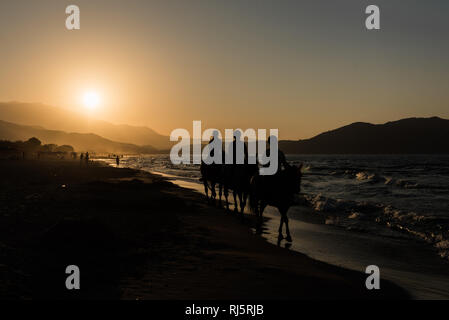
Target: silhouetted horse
point(237, 178)
point(211, 176)
point(228, 177)
point(278, 191)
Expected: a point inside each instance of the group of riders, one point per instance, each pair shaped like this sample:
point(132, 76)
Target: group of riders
point(245, 182)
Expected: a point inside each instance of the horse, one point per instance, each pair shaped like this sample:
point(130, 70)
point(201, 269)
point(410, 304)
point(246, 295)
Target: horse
point(237, 178)
point(211, 176)
point(277, 190)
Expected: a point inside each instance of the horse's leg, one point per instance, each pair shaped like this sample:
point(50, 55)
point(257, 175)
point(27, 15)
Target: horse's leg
point(287, 230)
point(206, 190)
point(244, 198)
point(213, 192)
point(226, 194)
point(258, 219)
point(236, 205)
point(280, 236)
point(242, 206)
point(261, 206)
point(220, 189)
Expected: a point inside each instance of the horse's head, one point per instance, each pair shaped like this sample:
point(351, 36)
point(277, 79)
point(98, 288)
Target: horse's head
point(293, 177)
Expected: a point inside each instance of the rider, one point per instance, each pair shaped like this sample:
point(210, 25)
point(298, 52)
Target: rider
point(282, 162)
point(210, 146)
point(211, 154)
point(234, 149)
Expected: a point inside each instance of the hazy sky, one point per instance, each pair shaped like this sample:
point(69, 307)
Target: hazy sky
point(300, 66)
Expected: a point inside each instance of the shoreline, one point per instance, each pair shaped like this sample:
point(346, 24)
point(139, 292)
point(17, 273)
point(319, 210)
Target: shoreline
point(139, 236)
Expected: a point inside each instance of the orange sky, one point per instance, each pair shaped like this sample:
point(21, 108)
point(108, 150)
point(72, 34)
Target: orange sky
point(302, 67)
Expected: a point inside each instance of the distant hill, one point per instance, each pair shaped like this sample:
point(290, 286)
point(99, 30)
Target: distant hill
point(407, 136)
point(80, 141)
point(36, 114)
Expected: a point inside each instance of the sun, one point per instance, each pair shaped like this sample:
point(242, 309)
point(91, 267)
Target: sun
point(91, 100)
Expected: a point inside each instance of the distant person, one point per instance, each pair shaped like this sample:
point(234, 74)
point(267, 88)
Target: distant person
point(87, 158)
point(117, 161)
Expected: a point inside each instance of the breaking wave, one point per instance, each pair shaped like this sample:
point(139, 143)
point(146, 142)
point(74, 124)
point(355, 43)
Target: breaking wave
point(361, 216)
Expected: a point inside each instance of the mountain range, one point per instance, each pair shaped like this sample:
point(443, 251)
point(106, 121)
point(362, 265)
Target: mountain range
point(36, 114)
point(22, 121)
point(406, 136)
point(80, 141)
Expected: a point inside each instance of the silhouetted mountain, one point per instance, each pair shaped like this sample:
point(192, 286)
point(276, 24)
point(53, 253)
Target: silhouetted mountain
point(33, 114)
point(80, 141)
point(407, 136)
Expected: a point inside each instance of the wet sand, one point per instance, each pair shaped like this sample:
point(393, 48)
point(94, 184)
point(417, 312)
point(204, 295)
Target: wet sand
point(407, 262)
point(135, 235)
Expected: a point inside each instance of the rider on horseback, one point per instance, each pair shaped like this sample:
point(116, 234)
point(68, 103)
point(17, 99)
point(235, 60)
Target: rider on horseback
point(282, 162)
point(233, 149)
point(210, 155)
point(277, 190)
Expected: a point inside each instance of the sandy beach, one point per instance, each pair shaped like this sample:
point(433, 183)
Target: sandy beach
point(135, 235)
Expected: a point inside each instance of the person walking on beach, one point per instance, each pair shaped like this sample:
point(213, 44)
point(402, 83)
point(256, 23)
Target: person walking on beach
point(117, 161)
point(87, 158)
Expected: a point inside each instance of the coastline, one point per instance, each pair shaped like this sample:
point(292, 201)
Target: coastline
point(138, 236)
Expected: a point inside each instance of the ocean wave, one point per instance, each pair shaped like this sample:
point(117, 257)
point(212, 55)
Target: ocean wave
point(366, 216)
point(401, 183)
point(394, 182)
point(367, 176)
point(433, 230)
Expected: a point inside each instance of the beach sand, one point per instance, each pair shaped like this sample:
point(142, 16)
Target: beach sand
point(135, 235)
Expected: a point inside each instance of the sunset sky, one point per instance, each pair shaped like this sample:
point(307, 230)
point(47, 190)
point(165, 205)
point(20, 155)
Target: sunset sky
point(301, 66)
